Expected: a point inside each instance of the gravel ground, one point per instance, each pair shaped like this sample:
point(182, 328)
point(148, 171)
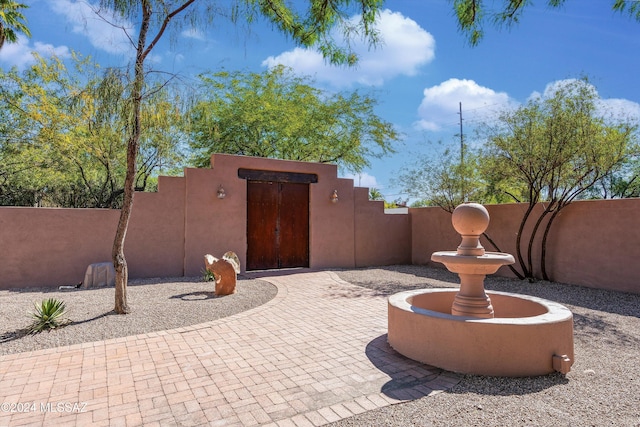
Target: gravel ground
point(156, 304)
point(602, 389)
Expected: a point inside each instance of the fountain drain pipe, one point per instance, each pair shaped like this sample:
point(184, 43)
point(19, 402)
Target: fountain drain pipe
point(561, 364)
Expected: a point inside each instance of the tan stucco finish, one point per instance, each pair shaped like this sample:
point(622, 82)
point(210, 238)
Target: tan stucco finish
point(592, 242)
point(170, 231)
point(521, 340)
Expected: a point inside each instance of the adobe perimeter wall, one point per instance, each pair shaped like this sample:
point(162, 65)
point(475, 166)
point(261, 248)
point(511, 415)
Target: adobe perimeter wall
point(380, 239)
point(47, 247)
point(170, 231)
point(591, 243)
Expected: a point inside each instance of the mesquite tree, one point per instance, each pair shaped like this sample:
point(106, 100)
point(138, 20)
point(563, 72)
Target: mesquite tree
point(62, 134)
point(280, 115)
point(551, 151)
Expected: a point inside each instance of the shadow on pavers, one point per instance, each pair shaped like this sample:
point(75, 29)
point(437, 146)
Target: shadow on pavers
point(410, 379)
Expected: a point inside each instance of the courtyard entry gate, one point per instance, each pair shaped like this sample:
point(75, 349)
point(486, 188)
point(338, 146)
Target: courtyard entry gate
point(277, 219)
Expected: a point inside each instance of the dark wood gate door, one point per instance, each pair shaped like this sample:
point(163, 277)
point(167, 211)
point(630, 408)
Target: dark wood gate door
point(277, 225)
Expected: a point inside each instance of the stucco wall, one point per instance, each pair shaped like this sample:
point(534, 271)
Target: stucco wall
point(53, 247)
point(595, 243)
point(591, 243)
point(155, 239)
point(170, 231)
point(380, 239)
point(48, 247)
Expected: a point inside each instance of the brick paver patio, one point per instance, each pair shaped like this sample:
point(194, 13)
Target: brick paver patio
point(315, 354)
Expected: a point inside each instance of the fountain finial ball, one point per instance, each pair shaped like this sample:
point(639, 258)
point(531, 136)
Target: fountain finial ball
point(470, 219)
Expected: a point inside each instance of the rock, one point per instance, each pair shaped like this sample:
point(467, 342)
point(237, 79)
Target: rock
point(224, 271)
point(99, 274)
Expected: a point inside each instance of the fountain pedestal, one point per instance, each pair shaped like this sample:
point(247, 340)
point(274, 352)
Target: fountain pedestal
point(475, 303)
point(471, 262)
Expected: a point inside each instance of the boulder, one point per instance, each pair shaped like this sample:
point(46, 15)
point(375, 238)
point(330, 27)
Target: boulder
point(99, 274)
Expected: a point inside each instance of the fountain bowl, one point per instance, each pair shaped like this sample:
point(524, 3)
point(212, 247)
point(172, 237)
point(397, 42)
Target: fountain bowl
point(528, 336)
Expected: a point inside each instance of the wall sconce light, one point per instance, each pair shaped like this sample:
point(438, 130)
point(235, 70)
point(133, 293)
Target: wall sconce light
point(334, 196)
point(221, 193)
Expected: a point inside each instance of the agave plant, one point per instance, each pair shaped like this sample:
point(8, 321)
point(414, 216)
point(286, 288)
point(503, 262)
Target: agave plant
point(48, 315)
point(207, 276)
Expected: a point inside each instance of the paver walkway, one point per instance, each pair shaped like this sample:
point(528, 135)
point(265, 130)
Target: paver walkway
point(314, 354)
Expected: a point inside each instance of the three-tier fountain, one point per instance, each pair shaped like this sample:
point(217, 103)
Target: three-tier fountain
point(469, 330)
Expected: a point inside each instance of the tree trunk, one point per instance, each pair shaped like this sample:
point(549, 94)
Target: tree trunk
point(534, 232)
point(513, 270)
point(523, 222)
point(119, 261)
point(543, 257)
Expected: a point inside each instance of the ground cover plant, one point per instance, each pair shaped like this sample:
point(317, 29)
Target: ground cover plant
point(48, 315)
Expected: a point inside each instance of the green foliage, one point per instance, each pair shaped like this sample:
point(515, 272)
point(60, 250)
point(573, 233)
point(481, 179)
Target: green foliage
point(557, 147)
point(629, 7)
point(472, 14)
point(619, 184)
point(12, 21)
point(62, 135)
point(207, 275)
point(444, 181)
point(375, 194)
point(48, 315)
point(309, 23)
point(276, 114)
point(421, 203)
point(397, 203)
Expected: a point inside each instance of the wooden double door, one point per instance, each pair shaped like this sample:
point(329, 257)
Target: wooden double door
point(277, 225)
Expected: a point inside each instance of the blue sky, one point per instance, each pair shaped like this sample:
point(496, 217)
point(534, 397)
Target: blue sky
point(421, 72)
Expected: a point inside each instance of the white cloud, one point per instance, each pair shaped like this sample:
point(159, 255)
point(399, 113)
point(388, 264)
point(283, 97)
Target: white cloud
point(302, 60)
point(404, 49)
point(620, 109)
point(154, 59)
point(82, 18)
point(194, 33)
point(105, 34)
point(362, 179)
point(20, 54)
point(441, 104)
point(551, 88)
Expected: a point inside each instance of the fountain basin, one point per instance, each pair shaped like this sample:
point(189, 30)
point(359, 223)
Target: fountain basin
point(527, 336)
point(488, 263)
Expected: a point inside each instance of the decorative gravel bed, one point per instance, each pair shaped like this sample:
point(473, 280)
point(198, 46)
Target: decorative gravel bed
point(156, 304)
